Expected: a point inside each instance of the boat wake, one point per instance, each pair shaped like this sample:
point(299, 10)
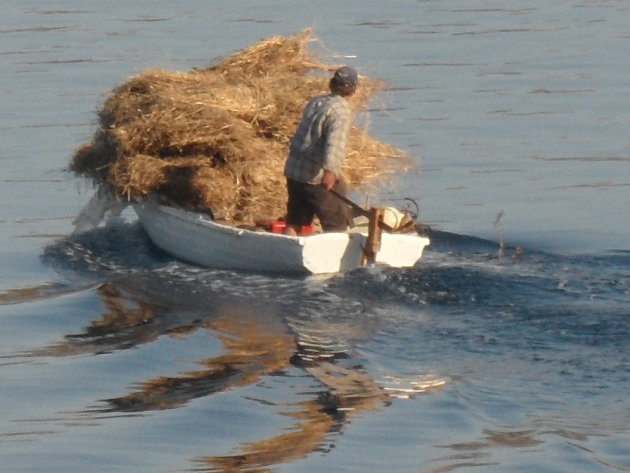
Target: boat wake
point(462, 295)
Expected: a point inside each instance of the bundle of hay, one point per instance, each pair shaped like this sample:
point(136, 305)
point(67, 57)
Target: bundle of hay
point(219, 137)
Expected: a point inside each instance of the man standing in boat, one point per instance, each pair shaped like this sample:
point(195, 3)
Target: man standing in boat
point(316, 155)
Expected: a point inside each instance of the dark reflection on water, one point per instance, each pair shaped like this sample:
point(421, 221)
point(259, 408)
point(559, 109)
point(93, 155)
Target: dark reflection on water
point(254, 346)
point(149, 296)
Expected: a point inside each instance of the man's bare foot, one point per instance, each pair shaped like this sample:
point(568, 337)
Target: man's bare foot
point(290, 230)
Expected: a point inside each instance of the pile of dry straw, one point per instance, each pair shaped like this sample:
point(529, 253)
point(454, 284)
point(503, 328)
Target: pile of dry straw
point(219, 137)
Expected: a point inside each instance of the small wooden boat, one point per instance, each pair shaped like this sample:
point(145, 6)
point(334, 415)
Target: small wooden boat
point(197, 238)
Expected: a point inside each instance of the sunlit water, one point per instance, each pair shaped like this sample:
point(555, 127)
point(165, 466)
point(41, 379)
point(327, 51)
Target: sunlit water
point(505, 349)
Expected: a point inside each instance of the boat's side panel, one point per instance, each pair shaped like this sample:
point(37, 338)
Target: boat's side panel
point(201, 241)
point(331, 253)
point(401, 250)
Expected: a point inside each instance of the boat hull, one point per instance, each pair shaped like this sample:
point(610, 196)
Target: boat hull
point(196, 238)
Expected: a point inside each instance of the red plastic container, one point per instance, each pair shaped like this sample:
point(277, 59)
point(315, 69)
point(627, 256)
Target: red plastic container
point(306, 230)
point(278, 226)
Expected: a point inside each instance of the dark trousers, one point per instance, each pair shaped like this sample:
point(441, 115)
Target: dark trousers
point(309, 200)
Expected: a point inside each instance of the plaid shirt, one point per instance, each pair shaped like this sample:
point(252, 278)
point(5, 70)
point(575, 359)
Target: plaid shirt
point(319, 142)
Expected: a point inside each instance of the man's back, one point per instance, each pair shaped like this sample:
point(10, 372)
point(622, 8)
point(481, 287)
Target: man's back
point(319, 141)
